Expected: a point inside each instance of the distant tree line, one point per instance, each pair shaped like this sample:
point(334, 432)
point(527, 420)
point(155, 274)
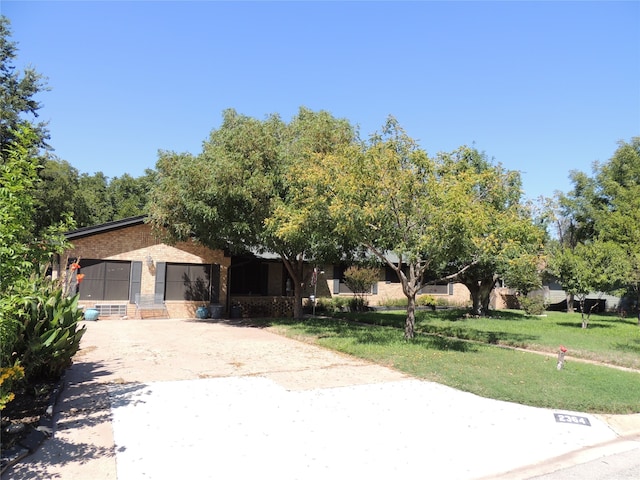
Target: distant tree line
point(88, 199)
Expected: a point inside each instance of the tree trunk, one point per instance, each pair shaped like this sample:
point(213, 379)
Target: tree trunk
point(480, 295)
point(410, 323)
point(295, 267)
point(584, 320)
point(570, 299)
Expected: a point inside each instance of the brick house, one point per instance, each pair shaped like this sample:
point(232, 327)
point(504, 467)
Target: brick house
point(123, 258)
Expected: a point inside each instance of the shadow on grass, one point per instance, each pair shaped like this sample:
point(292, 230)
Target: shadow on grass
point(445, 344)
point(618, 320)
point(364, 333)
point(633, 346)
point(592, 324)
point(490, 337)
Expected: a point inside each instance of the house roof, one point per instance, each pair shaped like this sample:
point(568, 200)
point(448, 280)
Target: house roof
point(105, 227)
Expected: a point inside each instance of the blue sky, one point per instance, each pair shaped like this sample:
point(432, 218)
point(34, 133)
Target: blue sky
point(541, 87)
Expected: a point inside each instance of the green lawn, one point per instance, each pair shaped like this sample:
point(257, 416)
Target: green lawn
point(444, 353)
point(608, 339)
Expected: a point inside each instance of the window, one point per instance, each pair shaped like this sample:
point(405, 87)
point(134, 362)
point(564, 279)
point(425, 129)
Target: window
point(104, 280)
point(339, 285)
point(249, 277)
point(188, 281)
point(438, 289)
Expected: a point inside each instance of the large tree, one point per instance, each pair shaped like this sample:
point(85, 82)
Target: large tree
point(503, 241)
point(600, 223)
point(63, 192)
point(18, 91)
point(246, 190)
point(23, 254)
point(416, 214)
point(587, 268)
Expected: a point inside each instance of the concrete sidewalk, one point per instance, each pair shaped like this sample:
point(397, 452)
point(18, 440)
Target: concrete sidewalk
point(192, 399)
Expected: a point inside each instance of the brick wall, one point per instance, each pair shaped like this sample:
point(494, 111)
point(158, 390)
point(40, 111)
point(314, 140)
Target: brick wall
point(137, 243)
point(393, 290)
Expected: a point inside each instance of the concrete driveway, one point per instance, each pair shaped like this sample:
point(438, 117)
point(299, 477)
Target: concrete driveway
point(156, 399)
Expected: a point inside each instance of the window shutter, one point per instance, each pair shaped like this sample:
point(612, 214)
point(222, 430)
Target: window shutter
point(161, 272)
point(215, 283)
point(136, 280)
point(336, 285)
point(450, 288)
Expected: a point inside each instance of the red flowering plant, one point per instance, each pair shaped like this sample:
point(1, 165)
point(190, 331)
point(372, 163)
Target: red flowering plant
point(72, 278)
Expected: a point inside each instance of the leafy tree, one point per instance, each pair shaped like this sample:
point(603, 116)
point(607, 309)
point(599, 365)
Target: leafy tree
point(618, 212)
point(22, 253)
point(247, 189)
point(503, 241)
point(89, 199)
point(416, 214)
point(129, 195)
point(56, 194)
point(18, 175)
point(93, 203)
point(587, 268)
point(26, 252)
point(17, 96)
point(360, 280)
point(602, 213)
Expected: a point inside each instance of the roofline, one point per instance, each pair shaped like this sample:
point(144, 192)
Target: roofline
point(105, 227)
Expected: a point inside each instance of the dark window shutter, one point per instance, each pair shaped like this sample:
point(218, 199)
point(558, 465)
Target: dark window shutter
point(375, 288)
point(215, 283)
point(336, 285)
point(136, 280)
point(450, 288)
point(161, 271)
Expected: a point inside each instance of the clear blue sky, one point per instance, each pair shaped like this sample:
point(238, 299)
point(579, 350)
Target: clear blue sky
point(542, 87)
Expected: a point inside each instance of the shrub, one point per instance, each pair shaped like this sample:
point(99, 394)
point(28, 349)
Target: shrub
point(443, 302)
point(331, 305)
point(48, 337)
point(394, 302)
point(426, 301)
point(358, 304)
point(532, 305)
point(360, 281)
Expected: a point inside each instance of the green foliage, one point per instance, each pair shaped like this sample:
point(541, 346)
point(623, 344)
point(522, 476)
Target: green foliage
point(360, 281)
point(394, 302)
point(250, 188)
point(435, 216)
point(49, 336)
point(332, 304)
point(17, 95)
point(532, 305)
point(89, 199)
point(426, 301)
point(599, 225)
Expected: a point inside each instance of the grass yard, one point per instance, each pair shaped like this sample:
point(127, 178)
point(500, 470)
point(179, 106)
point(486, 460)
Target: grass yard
point(466, 354)
point(608, 339)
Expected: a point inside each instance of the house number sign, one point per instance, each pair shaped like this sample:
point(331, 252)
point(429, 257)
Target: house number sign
point(564, 418)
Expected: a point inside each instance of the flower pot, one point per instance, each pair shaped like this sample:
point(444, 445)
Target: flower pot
point(202, 312)
point(215, 310)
